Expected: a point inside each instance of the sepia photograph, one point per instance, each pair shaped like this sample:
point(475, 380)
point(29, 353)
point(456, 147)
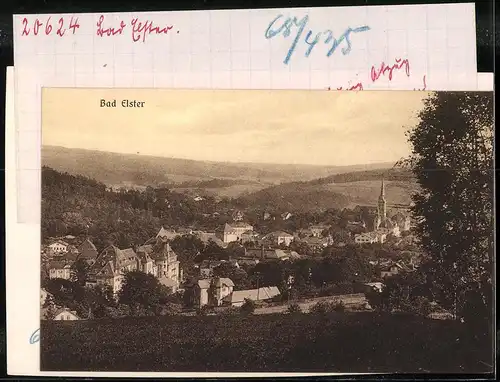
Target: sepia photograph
point(267, 231)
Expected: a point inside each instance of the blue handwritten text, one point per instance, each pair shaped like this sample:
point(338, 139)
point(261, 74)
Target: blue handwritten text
point(293, 23)
point(35, 337)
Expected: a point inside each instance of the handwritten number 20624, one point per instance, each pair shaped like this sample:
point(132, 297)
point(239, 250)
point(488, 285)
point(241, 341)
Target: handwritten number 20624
point(47, 27)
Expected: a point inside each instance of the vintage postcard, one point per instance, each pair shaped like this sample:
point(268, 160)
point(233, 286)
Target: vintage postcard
point(266, 231)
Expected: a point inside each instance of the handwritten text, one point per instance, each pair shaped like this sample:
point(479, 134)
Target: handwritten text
point(377, 71)
point(48, 27)
point(35, 337)
point(294, 24)
point(383, 69)
point(142, 29)
point(109, 31)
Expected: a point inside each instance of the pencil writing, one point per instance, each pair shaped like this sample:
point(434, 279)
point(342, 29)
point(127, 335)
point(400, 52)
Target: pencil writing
point(298, 26)
point(35, 337)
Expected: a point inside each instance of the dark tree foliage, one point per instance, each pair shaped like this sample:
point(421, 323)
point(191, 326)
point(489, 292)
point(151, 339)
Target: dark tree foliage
point(142, 292)
point(452, 159)
point(88, 302)
point(79, 272)
point(248, 307)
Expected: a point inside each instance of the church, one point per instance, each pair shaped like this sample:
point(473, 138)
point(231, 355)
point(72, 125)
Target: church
point(383, 225)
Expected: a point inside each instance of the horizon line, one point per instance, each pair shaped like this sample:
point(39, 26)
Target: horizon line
point(225, 162)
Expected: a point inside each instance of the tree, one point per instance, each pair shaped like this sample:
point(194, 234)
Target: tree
point(452, 160)
point(97, 299)
point(50, 312)
point(248, 307)
point(79, 272)
point(141, 291)
point(237, 275)
point(294, 308)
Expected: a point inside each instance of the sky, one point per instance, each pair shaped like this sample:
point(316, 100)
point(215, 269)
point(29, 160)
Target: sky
point(279, 126)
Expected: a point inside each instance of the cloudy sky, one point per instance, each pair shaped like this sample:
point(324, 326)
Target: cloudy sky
point(295, 127)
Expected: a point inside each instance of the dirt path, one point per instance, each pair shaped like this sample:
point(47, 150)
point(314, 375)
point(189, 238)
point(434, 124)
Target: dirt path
point(352, 300)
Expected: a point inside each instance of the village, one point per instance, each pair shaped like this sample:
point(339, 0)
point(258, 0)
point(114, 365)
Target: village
point(248, 248)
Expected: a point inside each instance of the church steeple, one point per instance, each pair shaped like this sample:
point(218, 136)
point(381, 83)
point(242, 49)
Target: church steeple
point(382, 210)
point(382, 189)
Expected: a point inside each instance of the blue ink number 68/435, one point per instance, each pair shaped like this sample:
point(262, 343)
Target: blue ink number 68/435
point(35, 337)
point(286, 29)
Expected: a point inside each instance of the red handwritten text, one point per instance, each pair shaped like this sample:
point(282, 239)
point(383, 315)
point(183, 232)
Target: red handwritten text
point(47, 27)
point(425, 84)
point(111, 31)
point(375, 75)
point(383, 69)
point(140, 30)
point(358, 86)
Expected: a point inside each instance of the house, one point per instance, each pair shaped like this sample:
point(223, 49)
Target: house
point(72, 253)
point(248, 262)
point(163, 234)
point(184, 231)
point(390, 229)
point(237, 298)
point(169, 283)
point(88, 252)
point(234, 231)
point(212, 291)
point(282, 255)
point(249, 237)
point(166, 261)
point(146, 262)
point(370, 237)
point(279, 237)
point(257, 253)
point(206, 237)
point(43, 296)
point(207, 267)
point(286, 215)
point(237, 216)
point(391, 270)
point(403, 222)
point(266, 216)
point(198, 198)
point(376, 286)
point(317, 243)
point(62, 314)
point(59, 269)
point(317, 230)
point(111, 265)
point(223, 287)
point(58, 247)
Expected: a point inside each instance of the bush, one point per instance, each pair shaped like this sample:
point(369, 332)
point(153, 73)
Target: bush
point(322, 307)
point(170, 309)
point(230, 311)
point(204, 310)
point(294, 308)
point(339, 306)
point(248, 307)
point(422, 306)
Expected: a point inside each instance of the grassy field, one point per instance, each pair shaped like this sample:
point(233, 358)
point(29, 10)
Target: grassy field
point(339, 342)
point(366, 192)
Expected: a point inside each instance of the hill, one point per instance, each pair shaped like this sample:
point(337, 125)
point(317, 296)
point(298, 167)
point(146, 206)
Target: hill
point(131, 171)
point(339, 342)
point(337, 191)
